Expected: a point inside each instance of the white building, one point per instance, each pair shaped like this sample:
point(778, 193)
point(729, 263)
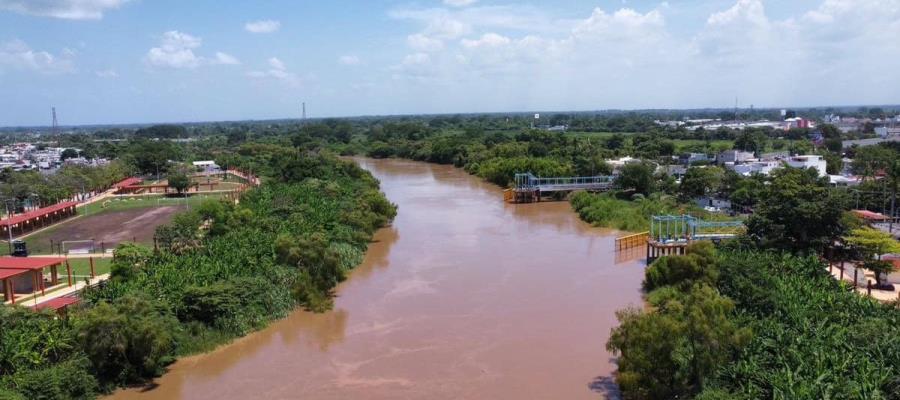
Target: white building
point(809, 161)
point(207, 166)
point(756, 167)
point(734, 156)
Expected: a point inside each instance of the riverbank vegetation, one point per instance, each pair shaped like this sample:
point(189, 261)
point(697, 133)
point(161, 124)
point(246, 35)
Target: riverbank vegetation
point(221, 271)
point(761, 317)
point(739, 324)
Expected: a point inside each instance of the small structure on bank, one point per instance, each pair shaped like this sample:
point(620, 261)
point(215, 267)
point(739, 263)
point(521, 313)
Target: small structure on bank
point(671, 234)
point(529, 188)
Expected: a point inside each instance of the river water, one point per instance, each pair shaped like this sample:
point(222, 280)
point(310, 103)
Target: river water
point(463, 297)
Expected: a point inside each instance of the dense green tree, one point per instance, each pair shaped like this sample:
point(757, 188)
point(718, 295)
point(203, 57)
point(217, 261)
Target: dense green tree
point(128, 260)
point(672, 351)
point(751, 141)
point(700, 181)
point(179, 181)
point(162, 132)
point(798, 211)
point(638, 177)
point(129, 341)
point(67, 154)
point(698, 265)
point(151, 156)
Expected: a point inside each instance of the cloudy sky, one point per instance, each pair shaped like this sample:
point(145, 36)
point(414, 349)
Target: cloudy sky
point(123, 61)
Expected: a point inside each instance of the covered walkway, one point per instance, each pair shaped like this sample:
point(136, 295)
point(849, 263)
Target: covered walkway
point(36, 219)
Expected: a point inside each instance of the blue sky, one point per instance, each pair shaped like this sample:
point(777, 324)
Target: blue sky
point(137, 61)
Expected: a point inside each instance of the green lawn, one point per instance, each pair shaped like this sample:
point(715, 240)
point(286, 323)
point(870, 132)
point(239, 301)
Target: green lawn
point(82, 266)
point(129, 203)
point(684, 145)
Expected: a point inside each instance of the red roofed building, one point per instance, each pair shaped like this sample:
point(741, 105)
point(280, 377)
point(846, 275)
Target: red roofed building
point(870, 216)
point(14, 272)
point(56, 304)
point(36, 219)
point(6, 281)
point(128, 182)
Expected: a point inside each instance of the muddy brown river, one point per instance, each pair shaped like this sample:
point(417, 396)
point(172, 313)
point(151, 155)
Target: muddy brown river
point(463, 297)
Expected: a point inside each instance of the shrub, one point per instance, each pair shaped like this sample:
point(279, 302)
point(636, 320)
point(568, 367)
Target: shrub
point(127, 342)
point(66, 380)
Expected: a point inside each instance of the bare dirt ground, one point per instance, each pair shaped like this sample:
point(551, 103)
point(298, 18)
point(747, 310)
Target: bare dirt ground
point(107, 228)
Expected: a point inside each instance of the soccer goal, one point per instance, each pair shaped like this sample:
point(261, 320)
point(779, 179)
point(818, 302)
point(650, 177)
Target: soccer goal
point(77, 246)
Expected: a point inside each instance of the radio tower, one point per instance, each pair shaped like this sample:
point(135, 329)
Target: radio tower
point(304, 111)
point(55, 127)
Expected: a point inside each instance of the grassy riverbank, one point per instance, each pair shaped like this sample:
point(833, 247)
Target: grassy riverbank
point(286, 245)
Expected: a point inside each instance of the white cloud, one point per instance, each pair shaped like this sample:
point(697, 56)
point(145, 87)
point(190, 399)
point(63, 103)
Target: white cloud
point(264, 26)
point(349, 60)
point(278, 71)
point(421, 42)
point(459, 3)
point(624, 24)
point(416, 59)
point(107, 73)
point(447, 28)
point(65, 9)
point(486, 40)
point(16, 54)
point(176, 50)
point(226, 59)
point(275, 63)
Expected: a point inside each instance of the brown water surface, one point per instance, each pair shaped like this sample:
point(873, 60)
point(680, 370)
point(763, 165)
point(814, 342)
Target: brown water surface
point(463, 297)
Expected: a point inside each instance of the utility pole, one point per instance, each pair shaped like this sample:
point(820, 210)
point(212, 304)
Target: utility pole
point(9, 215)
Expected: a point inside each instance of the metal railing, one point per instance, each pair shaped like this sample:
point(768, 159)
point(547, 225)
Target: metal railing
point(675, 228)
point(529, 181)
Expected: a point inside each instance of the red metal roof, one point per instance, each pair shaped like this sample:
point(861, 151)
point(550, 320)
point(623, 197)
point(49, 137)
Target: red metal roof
point(56, 303)
point(17, 219)
point(9, 273)
point(128, 182)
point(32, 263)
point(873, 216)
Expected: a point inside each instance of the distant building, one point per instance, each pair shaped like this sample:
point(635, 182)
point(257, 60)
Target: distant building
point(809, 161)
point(734, 157)
point(756, 167)
point(775, 155)
point(791, 123)
point(676, 171)
point(558, 128)
point(207, 166)
point(841, 180)
point(691, 158)
point(885, 131)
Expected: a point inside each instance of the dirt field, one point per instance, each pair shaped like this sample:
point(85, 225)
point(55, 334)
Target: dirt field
point(107, 228)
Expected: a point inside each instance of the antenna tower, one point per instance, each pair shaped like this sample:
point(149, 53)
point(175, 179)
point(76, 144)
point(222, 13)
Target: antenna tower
point(55, 127)
point(735, 110)
point(304, 111)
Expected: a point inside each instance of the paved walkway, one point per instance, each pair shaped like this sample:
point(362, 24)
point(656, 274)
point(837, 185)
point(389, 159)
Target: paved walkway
point(108, 254)
point(863, 277)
